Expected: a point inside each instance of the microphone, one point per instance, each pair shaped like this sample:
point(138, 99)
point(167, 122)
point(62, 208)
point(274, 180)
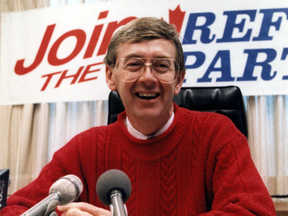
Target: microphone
point(4, 184)
point(65, 190)
point(113, 189)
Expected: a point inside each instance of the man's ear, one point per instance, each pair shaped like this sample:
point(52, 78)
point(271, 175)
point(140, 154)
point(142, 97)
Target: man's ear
point(110, 78)
point(179, 83)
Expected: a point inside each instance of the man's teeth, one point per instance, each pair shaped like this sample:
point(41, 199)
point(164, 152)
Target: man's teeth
point(147, 94)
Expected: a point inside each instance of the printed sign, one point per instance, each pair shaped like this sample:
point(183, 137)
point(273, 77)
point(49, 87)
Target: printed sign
point(56, 54)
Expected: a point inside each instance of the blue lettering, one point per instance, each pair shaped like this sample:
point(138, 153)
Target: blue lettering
point(283, 57)
point(252, 63)
point(200, 58)
point(205, 31)
point(225, 69)
point(231, 25)
point(267, 23)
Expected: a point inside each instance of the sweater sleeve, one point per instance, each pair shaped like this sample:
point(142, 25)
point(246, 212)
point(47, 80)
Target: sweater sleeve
point(28, 196)
point(233, 183)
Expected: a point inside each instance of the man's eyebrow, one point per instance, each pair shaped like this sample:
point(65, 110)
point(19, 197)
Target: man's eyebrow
point(141, 56)
point(133, 55)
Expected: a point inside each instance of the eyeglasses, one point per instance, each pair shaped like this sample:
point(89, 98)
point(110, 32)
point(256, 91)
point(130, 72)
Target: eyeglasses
point(164, 69)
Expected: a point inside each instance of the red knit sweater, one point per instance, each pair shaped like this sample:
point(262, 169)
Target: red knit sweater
point(200, 166)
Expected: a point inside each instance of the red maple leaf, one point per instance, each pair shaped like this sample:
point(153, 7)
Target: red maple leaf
point(176, 18)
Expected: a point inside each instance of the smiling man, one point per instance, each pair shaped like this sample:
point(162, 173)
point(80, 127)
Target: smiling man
point(145, 64)
point(180, 162)
point(151, 78)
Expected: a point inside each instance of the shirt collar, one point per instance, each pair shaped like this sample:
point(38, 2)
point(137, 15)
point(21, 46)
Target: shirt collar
point(139, 135)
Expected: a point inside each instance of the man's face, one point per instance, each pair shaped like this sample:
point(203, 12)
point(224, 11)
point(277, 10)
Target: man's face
point(146, 98)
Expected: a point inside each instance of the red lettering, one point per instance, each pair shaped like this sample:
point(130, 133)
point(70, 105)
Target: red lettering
point(109, 33)
point(49, 77)
point(87, 71)
point(83, 78)
point(103, 14)
point(95, 36)
point(63, 76)
point(80, 36)
point(19, 66)
point(93, 41)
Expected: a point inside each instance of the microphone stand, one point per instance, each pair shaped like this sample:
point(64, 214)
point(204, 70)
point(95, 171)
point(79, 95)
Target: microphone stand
point(117, 203)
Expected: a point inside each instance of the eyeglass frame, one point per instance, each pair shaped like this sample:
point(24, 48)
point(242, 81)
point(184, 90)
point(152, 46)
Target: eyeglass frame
point(150, 64)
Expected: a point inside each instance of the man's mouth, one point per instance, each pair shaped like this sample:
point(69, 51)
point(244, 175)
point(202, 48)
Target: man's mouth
point(147, 96)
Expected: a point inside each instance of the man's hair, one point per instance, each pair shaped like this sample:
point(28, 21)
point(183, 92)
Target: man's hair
point(144, 29)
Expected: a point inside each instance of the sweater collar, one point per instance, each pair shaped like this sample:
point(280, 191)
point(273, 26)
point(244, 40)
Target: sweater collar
point(157, 147)
point(137, 134)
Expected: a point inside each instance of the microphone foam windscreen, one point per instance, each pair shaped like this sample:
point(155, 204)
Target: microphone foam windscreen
point(69, 187)
point(113, 180)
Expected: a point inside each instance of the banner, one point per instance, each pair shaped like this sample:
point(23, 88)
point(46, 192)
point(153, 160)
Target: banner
point(56, 54)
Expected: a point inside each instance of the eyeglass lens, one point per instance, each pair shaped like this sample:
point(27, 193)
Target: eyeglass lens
point(165, 70)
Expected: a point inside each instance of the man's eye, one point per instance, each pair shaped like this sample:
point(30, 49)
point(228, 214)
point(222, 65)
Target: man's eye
point(162, 66)
point(134, 65)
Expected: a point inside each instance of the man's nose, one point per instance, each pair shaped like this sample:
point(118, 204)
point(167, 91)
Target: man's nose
point(148, 72)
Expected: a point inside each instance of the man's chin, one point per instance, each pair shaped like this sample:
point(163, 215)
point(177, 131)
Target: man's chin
point(149, 115)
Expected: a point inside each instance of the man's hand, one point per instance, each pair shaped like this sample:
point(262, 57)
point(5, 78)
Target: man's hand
point(83, 209)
